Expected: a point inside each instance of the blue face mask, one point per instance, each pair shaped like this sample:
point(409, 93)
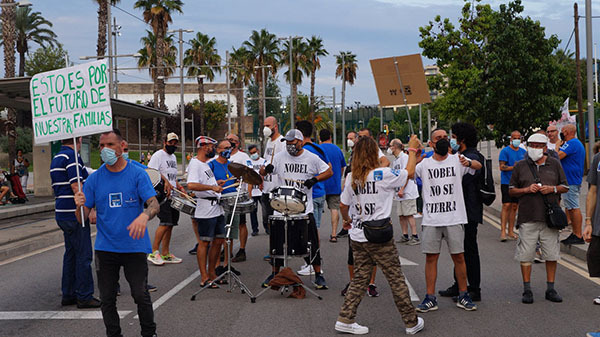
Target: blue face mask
point(125, 155)
point(516, 142)
point(226, 154)
point(108, 156)
point(454, 145)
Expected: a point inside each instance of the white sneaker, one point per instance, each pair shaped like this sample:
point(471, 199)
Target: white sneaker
point(597, 300)
point(171, 258)
point(354, 328)
point(307, 270)
point(420, 325)
point(156, 259)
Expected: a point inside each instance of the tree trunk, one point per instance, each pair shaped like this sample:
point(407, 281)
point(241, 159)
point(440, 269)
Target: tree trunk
point(155, 104)
point(102, 27)
point(21, 64)
point(312, 98)
point(9, 38)
point(261, 94)
point(295, 99)
point(160, 41)
point(239, 98)
point(201, 100)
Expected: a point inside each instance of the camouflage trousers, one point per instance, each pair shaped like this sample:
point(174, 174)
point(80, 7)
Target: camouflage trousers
point(384, 255)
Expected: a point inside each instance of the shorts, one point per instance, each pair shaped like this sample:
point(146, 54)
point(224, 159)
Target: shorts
point(432, 236)
point(333, 201)
point(529, 235)
point(406, 207)
point(571, 198)
point(506, 198)
point(168, 215)
point(235, 226)
point(593, 257)
point(211, 228)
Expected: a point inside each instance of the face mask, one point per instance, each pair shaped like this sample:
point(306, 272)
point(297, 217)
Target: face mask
point(441, 147)
point(225, 154)
point(109, 156)
point(211, 153)
point(389, 151)
point(254, 156)
point(267, 132)
point(562, 136)
point(516, 142)
point(455, 147)
point(170, 148)
point(350, 143)
point(291, 149)
point(125, 155)
point(535, 154)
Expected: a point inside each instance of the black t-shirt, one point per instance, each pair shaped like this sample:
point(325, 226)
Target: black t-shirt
point(470, 184)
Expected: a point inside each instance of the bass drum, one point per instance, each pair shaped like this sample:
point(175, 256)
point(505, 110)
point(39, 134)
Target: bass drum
point(297, 235)
point(158, 184)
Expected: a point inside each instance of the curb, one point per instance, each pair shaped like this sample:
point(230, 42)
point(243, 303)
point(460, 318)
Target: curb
point(24, 210)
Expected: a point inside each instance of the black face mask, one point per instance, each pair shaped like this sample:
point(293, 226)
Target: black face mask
point(562, 136)
point(170, 148)
point(211, 153)
point(441, 147)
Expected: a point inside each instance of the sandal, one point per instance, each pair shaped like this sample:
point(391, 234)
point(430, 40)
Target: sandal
point(503, 239)
point(211, 286)
point(513, 237)
point(222, 281)
point(333, 238)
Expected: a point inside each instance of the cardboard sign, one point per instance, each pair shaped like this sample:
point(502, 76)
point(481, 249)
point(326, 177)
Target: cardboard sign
point(412, 76)
point(70, 102)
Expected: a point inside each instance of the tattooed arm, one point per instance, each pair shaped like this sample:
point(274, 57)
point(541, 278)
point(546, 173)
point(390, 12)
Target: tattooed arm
point(137, 229)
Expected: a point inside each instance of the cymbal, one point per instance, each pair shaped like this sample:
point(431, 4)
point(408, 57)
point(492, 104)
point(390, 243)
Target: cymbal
point(246, 173)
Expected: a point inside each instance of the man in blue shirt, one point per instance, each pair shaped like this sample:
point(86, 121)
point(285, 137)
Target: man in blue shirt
point(572, 158)
point(77, 280)
point(509, 156)
point(118, 191)
point(333, 185)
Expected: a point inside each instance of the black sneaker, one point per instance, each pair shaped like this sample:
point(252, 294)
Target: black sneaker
point(553, 296)
point(194, 250)
point(475, 296)
point(65, 302)
point(255, 233)
point(573, 240)
point(239, 257)
point(320, 282)
point(342, 233)
point(93, 303)
point(527, 297)
point(151, 288)
point(372, 291)
point(452, 291)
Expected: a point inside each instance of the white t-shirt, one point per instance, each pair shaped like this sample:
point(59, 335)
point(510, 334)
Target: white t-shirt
point(256, 165)
point(443, 201)
point(410, 191)
point(381, 154)
point(554, 147)
point(200, 172)
point(299, 168)
point(374, 200)
point(166, 164)
point(241, 158)
point(273, 147)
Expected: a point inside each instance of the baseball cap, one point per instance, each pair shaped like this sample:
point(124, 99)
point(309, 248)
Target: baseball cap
point(293, 134)
point(172, 136)
point(537, 138)
point(201, 140)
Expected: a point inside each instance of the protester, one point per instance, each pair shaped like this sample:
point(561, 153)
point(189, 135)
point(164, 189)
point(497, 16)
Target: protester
point(464, 142)
point(77, 281)
point(532, 212)
point(443, 216)
point(333, 187)
point(383, 161)
point(118, 191)
point(274, 146)
point(255, 190)
point(509, 156)
point(405, 197)
point(351, 139)
point(4, 188)
point(591, 232)
point(368, 191)
point(572, 159)
point(22, 169)
point(553, 140)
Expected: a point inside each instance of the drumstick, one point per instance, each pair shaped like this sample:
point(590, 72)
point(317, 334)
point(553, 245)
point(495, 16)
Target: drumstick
point(232, 185)
point(273, 155)
point(184, 195)
point(232, 178)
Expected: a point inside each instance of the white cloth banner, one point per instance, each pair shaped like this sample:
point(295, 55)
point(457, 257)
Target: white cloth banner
point(71, 102)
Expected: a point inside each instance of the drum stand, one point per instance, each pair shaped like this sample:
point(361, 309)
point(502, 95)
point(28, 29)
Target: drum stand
point(231, 275)
point(285, 261)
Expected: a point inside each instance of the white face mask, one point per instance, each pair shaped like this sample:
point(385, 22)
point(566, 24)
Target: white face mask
point(267, 132)
point(389, 151)
point(535, 154)
point(350, 143)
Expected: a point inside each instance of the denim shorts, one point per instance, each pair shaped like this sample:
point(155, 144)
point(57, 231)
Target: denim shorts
point(211, 228)
point(571, 198)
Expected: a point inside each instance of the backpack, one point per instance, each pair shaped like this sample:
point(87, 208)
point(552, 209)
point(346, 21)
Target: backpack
point(487, 191)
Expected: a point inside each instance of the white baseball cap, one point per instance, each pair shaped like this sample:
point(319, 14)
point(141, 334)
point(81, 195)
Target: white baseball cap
point(293, 134)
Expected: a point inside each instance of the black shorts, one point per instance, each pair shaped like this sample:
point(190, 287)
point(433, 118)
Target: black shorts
point(506, 198)
point(168, 215)
point(593, 257)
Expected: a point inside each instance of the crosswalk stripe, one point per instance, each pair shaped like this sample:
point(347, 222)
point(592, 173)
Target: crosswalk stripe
point(15, 315)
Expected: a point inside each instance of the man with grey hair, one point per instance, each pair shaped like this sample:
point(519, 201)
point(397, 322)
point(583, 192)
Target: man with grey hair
point(406, 196)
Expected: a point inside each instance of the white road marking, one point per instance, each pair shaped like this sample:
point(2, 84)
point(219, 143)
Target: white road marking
point(413, 294)
point(13, 315)
point(407, 262)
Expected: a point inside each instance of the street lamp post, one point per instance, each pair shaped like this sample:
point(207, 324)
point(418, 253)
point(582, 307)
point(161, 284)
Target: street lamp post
point(343, 99)
point(116, 32)
point(334, 117)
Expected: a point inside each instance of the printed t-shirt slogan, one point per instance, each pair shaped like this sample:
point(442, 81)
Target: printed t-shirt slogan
point(70, 102)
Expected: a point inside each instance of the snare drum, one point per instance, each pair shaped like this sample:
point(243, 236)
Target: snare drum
point(297, 235)
point(241, 208)
point(158, 184)
point(228, 199)
point(288, 199)
point(183, 205)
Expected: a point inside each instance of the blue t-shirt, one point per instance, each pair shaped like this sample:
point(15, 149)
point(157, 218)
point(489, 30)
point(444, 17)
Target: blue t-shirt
point(119, 198)
point(510, 156)
point(333, 185)
point(318, 189)
point(63, 173)
point(573, 163)
point(428, 154)
point(221, 172)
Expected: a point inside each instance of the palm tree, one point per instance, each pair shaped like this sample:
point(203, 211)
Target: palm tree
point(263, 49)
point(320, 119)
point(103, 25)
point(148, 60)
point(202, 59)
point(8, 41)
point(299, 65)
point(241, 73)
point(314, 52)
point(30, 28)
point(158, 14)
point(346, 70)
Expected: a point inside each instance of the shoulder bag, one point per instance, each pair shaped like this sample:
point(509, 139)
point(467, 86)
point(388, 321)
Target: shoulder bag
point(555, 216)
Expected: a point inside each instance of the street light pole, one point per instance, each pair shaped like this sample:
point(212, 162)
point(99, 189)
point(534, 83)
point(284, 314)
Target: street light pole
point(116, 33)
point(228, 84)
point(334, 117)
point(291, 41)
point(590, 81)
point(110, 51)
point(343, 100)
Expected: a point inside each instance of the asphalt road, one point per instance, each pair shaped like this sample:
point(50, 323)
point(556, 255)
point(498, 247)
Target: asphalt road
point(30, 288)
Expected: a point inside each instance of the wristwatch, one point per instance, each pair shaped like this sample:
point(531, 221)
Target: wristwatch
point(554, 189)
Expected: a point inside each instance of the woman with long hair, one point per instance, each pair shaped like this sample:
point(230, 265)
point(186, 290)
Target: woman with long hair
point(367, 200)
